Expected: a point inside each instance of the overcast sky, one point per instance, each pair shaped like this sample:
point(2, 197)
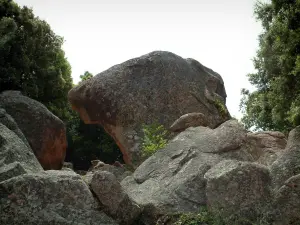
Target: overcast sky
point(98, 34)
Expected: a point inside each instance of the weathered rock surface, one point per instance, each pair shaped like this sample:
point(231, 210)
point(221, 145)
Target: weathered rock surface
point(119, 173)
point(50, 197)
point(172, 179)
point(266, 146)
point(117, 169)
point(220, 167)
point(16, 158)
point(43, 130)
point(288, 164)
point(157, 87)
point(68, 165)
point(29, 195)
point(116, 202)
point(286, 204)
point(235, 187)
point(188, 120)
point(96, 164)
point(11, 124)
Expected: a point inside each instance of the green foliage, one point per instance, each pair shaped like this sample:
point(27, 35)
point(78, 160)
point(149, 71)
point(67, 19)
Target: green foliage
point(204, 217)
point(87, 75)
point(275, 103)
point(221, 107)
point(31, 58)
point(155, 137)
point(207, 217)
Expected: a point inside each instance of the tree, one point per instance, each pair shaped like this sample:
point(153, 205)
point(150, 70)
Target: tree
point(87, 75)
point(275, 104)
point(32, 61)
point(31, 58)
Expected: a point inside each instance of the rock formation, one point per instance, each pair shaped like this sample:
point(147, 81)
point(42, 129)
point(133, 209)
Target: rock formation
point(97, 166)
point(285, 207)
point(44, 131)
point(157, 87)
point(288, 164)
point(16, 157)
point(203, 166)
point(236, 188)
point(30, 195)
point(50, 197)
point(188, 120)
point(220, 168)
point(115, 200)
point(210, 160)
point(10, 123)
point(266, 146)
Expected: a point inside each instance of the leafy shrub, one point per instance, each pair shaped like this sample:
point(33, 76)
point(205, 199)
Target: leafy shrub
point(204, 217)
point(221, 107)
point(155, 137)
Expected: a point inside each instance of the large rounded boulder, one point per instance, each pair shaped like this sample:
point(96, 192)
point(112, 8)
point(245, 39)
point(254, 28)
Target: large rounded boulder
point(156, 87)
point(48, 198)
point(44, 132)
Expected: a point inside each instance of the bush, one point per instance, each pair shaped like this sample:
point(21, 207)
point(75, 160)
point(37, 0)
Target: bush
point(155, 137)
point(204, 217)
point(221, 107)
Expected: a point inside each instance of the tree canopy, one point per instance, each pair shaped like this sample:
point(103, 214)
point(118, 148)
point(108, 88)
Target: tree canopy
point(32, 59)
point(87, 75)
point(275, 104)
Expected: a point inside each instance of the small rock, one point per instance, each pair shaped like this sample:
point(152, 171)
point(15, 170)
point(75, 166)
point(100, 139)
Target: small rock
point(117, 164)
point(188, 120)
point(68, 165)
point(116, 202)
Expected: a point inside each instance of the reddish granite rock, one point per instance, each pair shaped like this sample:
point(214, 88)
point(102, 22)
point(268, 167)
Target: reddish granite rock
point(265, 146)
point(157, 87)
point(44, 131)
point(188, 120)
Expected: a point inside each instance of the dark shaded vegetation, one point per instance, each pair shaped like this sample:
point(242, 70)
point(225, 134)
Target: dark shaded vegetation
point(88, 142)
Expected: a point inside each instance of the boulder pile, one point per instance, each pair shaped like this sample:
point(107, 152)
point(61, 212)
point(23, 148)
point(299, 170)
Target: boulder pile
point(210, 161)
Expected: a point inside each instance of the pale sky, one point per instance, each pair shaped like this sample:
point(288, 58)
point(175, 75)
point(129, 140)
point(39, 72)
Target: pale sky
point(222, 35)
